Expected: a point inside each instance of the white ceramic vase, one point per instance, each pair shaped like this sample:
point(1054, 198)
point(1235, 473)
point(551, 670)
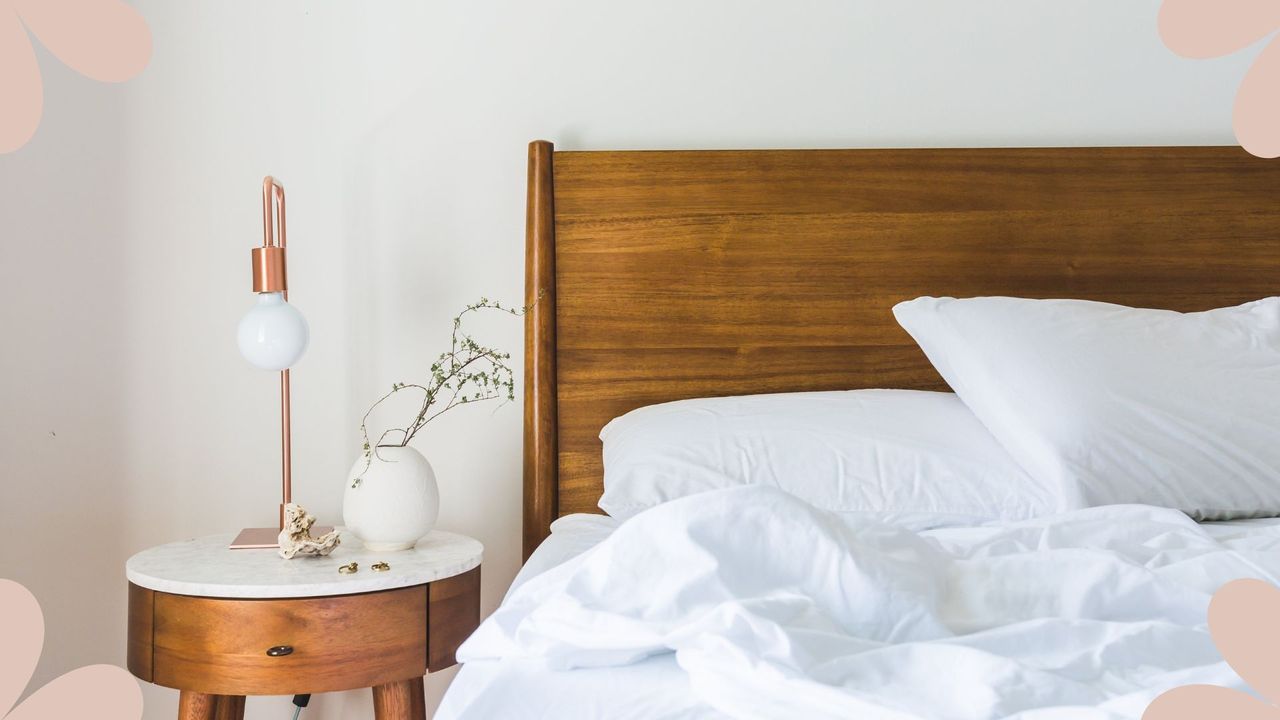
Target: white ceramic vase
point(395, 503)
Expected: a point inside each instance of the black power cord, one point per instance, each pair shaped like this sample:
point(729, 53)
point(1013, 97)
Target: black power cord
point(299, 702)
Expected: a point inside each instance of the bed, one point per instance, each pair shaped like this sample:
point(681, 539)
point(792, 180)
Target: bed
point(660, 276)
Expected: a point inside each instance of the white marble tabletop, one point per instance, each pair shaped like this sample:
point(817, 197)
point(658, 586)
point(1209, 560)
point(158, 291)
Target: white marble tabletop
point(207, 567)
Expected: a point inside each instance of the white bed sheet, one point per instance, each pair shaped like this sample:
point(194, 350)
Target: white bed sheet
point(655, 688)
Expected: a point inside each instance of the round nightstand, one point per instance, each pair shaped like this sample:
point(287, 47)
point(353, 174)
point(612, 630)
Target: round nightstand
point(220, 624)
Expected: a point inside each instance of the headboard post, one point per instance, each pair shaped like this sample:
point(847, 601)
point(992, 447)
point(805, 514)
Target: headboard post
point(541, 466)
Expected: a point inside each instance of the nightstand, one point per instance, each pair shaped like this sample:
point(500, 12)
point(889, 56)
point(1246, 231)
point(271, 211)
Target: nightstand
point(219, 624)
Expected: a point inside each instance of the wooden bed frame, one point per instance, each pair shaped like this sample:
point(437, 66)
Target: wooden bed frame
point(668, 275)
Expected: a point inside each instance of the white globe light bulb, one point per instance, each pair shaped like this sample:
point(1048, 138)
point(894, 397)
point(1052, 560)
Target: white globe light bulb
point(273, 334)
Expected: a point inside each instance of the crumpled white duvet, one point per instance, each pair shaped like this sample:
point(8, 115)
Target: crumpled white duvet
point(775, 609)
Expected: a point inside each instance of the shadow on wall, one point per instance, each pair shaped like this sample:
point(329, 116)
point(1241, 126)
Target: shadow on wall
point(67, 501)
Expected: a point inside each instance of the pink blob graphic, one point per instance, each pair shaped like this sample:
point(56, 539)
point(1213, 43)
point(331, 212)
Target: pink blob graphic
point(20, 84)
point(1244, 620)
point(1206, 702)
point(1211, 28)
point(98, 691)
point(1257, 110)
point(105, 40)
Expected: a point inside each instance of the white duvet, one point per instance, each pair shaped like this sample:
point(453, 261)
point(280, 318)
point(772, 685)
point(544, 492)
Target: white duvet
point(774, 609)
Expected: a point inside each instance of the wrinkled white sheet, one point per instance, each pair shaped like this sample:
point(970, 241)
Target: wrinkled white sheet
point(774, 609)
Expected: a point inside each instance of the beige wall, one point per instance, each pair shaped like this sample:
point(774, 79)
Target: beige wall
point(399, 128)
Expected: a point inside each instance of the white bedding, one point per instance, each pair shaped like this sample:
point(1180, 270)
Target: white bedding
point(1112, 404)
point(749, 603)
point(514, 688)
point(922, 456)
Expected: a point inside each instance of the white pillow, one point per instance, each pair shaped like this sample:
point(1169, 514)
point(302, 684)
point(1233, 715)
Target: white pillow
point(1118, 404)
point(915, 458)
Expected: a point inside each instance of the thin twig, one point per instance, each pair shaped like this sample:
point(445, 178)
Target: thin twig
point(451, 372)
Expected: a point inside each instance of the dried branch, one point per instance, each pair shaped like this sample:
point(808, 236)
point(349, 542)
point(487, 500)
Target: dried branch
point(466, 373)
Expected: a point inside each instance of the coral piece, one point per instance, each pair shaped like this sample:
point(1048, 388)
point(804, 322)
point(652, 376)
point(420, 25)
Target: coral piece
point(295, 538)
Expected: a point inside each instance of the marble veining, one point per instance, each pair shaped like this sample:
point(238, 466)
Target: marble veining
point(207, 567)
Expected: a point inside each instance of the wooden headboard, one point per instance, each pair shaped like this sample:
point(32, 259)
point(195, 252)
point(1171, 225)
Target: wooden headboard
point(669, 275)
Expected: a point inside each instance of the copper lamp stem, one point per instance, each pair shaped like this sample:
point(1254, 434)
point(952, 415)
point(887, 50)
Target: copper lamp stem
point(286, 447)
point(274, 234)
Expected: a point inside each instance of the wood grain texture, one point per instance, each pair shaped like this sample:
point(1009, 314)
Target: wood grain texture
point(540, 461)
point(203, 706)
point(404, 700)
point(197, 706)
point(453, 615)
point(229, 707)
point(138, 644)
point(693, 274)
point(218, 646)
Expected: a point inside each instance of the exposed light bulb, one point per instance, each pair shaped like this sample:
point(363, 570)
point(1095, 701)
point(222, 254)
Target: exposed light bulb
point(273, 334)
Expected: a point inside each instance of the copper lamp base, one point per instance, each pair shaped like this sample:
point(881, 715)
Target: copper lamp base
point(251, 538)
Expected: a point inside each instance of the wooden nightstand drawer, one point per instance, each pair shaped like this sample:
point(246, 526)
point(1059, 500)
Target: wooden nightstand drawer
point(220, 646)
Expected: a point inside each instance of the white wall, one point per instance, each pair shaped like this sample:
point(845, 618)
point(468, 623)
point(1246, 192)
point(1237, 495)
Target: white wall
point(399, 128)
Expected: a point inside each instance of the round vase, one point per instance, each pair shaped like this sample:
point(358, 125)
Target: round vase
point(396, 501)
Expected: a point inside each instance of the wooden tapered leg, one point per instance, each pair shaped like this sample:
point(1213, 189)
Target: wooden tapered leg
point(202, 706)
point(197, 706)
point(402, 700)
point(230, 707)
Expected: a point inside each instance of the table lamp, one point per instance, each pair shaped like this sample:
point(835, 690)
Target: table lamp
point(272, 336)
